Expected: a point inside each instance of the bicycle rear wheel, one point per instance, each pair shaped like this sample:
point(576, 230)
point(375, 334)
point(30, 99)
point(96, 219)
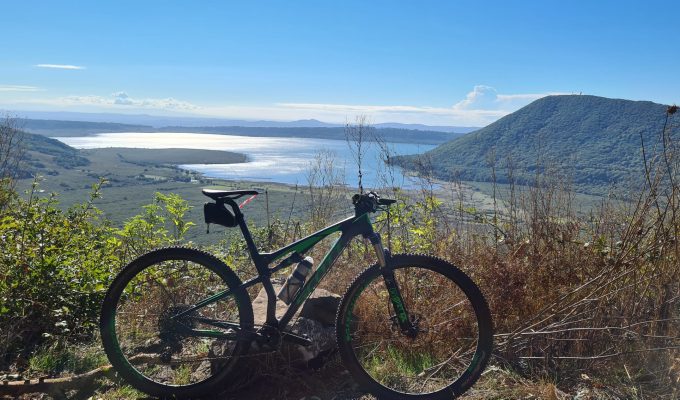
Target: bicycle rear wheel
point(454, 331)
point(159, 353)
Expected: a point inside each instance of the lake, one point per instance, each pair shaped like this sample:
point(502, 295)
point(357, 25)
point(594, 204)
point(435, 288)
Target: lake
point(270, 159)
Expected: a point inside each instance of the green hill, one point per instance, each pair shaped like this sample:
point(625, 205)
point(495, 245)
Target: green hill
point(595, 140)
point(46, 156)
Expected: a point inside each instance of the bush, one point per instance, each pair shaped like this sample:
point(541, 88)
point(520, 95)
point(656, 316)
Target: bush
point(161, 224)
point(55, 267)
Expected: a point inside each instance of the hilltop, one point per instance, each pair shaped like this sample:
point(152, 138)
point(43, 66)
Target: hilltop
point(595, 140)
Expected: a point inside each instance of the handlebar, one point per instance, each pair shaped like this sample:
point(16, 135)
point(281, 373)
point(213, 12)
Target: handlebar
point(369, 202)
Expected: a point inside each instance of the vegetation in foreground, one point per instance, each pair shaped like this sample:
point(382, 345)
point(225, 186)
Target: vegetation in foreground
point(583, 303)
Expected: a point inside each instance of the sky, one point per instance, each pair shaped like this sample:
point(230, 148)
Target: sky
point(463, 63)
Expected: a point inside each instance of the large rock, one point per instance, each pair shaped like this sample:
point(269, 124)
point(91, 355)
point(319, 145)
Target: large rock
point(321, 306)
point(316, 320)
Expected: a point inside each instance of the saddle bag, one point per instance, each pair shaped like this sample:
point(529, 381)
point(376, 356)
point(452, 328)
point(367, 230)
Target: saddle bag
point(217, 213)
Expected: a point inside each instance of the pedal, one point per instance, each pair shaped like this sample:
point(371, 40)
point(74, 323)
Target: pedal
point(301, 340)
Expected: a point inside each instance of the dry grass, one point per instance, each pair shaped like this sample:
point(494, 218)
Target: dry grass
point(575, 293)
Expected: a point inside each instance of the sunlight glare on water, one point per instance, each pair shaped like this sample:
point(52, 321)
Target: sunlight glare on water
point(270, 159)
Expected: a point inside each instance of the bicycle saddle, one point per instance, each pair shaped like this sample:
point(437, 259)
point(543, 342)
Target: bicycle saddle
point(217, 194)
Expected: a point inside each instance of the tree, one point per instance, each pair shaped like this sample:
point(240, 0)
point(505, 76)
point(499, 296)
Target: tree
point(11, 154)
point(357, 134)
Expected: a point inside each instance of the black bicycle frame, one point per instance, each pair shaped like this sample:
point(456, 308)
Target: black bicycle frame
point(349, 228)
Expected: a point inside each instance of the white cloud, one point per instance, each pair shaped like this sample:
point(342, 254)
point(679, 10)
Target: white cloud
point(59, 66)
point(167, 104)
point(480, 107)
point(18, 88)
point(86, 100)
point(123, 100)
point(480, 98)
point(484, 97)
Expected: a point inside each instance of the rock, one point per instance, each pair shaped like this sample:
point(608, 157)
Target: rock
point(260, 304)
point(323, 342)
point(316, 320)
point(321, 306)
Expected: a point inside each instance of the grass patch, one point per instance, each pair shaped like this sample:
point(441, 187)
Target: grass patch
point(120, 393)
point(182, 375)
point(397, 364)
point(58, 359)
point(168, 156)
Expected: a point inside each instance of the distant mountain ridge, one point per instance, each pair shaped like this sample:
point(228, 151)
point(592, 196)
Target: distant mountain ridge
point(595, 140)
point(77, 128)
point(395, 135)
point(195, 121)
point(421, 127)
point(56, 128)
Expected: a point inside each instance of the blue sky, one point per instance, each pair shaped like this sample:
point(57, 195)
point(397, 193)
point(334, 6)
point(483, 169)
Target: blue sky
point(432, 62)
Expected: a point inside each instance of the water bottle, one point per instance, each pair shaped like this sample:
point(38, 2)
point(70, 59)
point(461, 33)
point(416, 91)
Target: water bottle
point(295, 280)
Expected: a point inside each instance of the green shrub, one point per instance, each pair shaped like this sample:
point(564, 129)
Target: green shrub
point(162, 223)
point(55, 267)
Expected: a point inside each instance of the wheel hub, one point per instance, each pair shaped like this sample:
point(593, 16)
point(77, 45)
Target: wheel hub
point(172, 329)
point(413, 328)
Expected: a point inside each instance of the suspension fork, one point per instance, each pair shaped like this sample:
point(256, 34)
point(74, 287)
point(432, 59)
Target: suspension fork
point(405, 324)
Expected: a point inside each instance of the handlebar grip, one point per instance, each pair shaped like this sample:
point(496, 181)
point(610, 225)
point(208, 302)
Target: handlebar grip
point(386, 202)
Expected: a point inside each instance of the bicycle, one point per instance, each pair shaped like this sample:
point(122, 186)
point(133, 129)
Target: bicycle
point(176, 321)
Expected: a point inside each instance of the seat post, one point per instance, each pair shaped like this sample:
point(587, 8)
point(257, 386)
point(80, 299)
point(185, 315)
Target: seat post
point(241, 220)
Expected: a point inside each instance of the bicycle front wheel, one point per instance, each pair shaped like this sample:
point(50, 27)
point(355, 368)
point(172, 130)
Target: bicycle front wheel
point(160, 353)
point(453, 339)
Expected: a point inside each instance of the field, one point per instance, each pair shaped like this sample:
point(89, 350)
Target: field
point(167, 157)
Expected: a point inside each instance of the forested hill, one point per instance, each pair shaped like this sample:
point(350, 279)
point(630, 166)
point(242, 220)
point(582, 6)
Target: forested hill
point(44, 155)
point(596, 140)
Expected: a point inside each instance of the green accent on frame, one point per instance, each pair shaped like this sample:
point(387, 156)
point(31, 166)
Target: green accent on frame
point(325, 265)
point(309, 242)
point(398, 305)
